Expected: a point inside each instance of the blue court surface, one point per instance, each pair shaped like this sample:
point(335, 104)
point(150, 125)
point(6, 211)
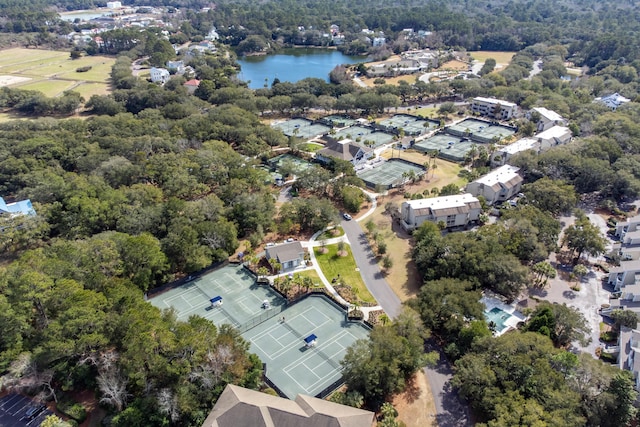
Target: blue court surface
point(292, 364)
point(242, 298)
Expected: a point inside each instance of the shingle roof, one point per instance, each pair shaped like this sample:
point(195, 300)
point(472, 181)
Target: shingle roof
point(344, 149)
point(241, 407)
point(285, 252)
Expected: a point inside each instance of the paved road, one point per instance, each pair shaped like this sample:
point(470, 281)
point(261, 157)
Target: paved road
point(369, 270)
point(450, 412)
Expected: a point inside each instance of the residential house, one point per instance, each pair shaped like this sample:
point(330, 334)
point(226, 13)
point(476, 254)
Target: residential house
point(453, 211)
point(175, 66)
point(378, 41)
point(624, 274)
point(289, 255)
point(557, 135)
point(22, 207)
point(502, 155)
point(160, 75)
point(114, 5)
point(628, 233)
point(344, 149)
point(629, 353)
point(494, 108)
point(547, 119)
point(612, 101)
point(498, 185)
point(192, 85)
point(241, 407)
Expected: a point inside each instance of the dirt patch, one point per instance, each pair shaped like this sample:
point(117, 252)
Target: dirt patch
point(342, 253)
point(454, 65)
point(12, 80)
point(415, 405)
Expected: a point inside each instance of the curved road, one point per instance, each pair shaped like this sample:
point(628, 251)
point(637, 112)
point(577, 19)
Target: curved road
point(450, 412)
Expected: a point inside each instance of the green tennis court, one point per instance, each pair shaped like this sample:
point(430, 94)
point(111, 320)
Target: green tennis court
point(361, 134)
point(389, 173)
point(293, 366)
point(412, 125)
point(448, 146)
point(481, 131)
point(302, 128)
point(242, 298)
point(338, 121)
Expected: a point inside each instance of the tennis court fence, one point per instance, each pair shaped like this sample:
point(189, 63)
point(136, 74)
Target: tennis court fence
point(262, 317)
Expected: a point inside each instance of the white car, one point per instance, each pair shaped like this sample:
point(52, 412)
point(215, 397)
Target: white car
point(346, 216)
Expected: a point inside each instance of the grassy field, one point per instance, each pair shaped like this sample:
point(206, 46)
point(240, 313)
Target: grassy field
point(53, 72)
point(500, 57)
point(49, 87)
point(311, 147)
point(344, 267)
point(312, 274)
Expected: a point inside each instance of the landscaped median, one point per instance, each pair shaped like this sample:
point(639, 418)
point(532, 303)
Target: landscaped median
point(342, 269)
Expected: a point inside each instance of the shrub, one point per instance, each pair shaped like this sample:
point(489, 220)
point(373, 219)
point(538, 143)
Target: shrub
point(83, 69)
point(72, 409)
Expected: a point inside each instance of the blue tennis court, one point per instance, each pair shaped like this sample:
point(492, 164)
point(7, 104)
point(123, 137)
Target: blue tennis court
point(291, 364)
point(242, 298)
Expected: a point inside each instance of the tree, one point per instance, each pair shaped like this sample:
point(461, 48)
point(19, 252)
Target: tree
point(379, 366)
point(561, 323)
point(543, 271)
point(584, 237)
point(551, 196)
point(626, 318)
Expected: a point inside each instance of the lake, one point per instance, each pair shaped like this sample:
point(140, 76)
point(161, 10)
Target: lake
point(84, 15)
point(292, 65)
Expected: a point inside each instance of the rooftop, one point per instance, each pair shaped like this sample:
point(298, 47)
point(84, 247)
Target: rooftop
point(503, 174)
point(286, 251)
point(520, 145)
point(241, 407)
point(548, 114)
point(494, 101)
point(554, 132)
point(444, 202)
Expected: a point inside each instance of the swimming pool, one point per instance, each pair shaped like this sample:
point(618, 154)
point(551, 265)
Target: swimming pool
point(498, 316)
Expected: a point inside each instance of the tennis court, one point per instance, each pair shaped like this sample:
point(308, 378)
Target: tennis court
point(390, 173)
point(299, 165)
point(467, 126)
point(292, 365)
point(411, 125)
point(493, 133)
point(448, 146)
point(364, 133)
point(242, 298)
point(302, 128)
point(338, 121)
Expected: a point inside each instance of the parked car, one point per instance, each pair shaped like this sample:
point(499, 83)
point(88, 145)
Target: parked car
point(346, 216)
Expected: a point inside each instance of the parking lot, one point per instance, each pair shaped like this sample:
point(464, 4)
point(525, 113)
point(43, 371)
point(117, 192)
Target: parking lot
point(20, 411)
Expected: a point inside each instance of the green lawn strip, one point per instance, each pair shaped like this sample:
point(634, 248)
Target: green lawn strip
point(329, 234)
point(311, 147)
point(49, 87)
point(312, 274)
point(333, 266)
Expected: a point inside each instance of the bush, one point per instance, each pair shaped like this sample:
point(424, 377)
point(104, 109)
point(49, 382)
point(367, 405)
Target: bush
point(72, 409)
point(83, 69)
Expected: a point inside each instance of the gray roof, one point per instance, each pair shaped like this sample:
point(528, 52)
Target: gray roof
point(241, 407)
point(285, 252)
point(344, 149)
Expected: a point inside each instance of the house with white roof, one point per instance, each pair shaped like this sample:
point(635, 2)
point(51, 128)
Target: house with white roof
point(612, 101)
point(547, 119)
point(502, 155)
point(495, 108)
point(175, 66)
point(22, 207)
point(160, 75)
point(624, 274)
point(556, 135)
point(498, 185)
point(454, 211)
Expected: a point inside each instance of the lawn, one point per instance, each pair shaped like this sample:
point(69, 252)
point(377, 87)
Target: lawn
point(49, 87)
point(330, 234)
point(312, 274)
point(500, 57)
point(89, 89)
point(426, 112)
point(344, 267)
point(311, 147)
point(54, 72)
point(21, 55)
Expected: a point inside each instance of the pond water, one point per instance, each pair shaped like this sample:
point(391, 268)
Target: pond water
point(83, 15)
point(292, 65)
